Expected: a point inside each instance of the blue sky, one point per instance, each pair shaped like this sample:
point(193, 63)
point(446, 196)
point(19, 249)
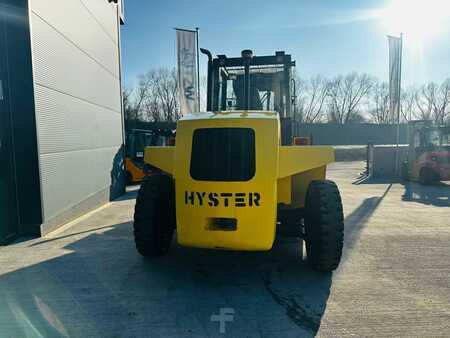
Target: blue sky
point(324, 37)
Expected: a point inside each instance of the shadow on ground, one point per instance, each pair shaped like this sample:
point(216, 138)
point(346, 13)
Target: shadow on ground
point(357, 220)
point(100, 286)
point(437, 194)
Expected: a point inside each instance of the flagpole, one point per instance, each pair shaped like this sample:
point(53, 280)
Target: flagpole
point(397, 157)
point(198, 70)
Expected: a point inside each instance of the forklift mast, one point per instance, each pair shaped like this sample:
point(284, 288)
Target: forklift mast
point(253, 83)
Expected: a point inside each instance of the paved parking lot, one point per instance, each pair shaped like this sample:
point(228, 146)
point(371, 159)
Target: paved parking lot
point(88, 279)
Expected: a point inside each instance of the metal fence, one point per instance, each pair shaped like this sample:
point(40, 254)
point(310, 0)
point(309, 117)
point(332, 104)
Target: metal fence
point(321, 133)
point(351, 134)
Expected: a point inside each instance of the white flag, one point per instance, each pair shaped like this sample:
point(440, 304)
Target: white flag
point(187, 71)
point(395, 50)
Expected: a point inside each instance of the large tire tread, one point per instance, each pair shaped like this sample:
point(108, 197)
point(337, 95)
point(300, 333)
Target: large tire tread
point(154, 216)
point(324, 223)
point(427, 176)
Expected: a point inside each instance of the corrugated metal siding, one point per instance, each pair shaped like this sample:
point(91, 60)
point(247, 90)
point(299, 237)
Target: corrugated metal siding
point(77, 93)
point(90, 37)
point(70, 124)
point(62, 66)
point(71, 177)
point(105, 14)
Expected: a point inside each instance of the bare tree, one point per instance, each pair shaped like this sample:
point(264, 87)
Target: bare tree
point(134, 100)
point(311, 99)
point(425, 99)
point(442, 103)
point(408, 109)
point(166, 88)
point(155, 98)
point(379, 104)
point(142, 94)
point(161, 102)
point(345, 96)
point(151, 107)
point(433, 102)
point(128, 107)
point(346, 99)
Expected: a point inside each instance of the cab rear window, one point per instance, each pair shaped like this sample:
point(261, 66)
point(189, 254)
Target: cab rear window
point(223, 154)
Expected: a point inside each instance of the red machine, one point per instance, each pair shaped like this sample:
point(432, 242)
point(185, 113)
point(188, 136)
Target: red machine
point(429, 153)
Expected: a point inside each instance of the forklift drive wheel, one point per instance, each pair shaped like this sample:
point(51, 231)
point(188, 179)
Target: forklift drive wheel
point(426, 176)
point(154, 216)
point(324, 225)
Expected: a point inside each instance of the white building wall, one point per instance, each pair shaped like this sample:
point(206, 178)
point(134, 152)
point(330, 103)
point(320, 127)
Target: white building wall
point(78, 101)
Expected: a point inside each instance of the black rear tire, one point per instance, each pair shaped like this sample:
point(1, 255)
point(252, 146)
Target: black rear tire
point(426, 176)
point(154, 216)
point(324, 225)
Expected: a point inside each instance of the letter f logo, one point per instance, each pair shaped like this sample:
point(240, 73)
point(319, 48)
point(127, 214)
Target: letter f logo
point(226, 315)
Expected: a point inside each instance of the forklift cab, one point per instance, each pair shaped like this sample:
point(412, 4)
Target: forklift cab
point(426, 137)
point(136, 142)
point(253, 83)
point(429, 152)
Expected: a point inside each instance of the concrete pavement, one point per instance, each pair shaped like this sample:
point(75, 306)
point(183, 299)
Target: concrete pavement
point(88, 280)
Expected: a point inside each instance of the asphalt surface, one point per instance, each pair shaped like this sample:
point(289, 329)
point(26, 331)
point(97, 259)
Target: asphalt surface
point(87, 279)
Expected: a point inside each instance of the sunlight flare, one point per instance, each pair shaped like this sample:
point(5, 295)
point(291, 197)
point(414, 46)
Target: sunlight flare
point(419, 20)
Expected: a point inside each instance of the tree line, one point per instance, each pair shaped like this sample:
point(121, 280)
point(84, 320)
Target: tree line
point(155, 97)
point(349, 98)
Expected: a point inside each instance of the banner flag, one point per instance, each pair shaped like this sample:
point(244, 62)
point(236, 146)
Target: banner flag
point(395, 52)
point(187, 71)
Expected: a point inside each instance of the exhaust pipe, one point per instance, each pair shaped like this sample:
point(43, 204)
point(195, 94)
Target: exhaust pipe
point(207, 53)
point(209, 79)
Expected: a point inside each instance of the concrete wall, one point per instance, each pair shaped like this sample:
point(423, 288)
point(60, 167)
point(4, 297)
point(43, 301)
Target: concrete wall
point(76, 63)
point(351, 134)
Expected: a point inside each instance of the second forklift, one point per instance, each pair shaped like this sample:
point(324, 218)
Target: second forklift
point(428, 154)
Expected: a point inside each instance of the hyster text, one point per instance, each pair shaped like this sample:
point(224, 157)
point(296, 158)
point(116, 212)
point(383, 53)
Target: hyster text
point(225, 199)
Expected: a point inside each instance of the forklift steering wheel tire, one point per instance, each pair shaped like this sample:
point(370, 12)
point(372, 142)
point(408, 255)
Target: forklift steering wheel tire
point(154, 216)
point(324, 225)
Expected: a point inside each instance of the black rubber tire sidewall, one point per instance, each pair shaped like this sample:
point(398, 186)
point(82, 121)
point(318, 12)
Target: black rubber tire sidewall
point(324, 225)
point(154, 216)
point(426, 176)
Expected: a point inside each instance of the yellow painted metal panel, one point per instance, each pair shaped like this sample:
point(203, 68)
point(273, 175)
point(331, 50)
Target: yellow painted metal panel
point(160, 157)
point(297, 159)
point(300, 183)
point(195, 200)
point(284, 191)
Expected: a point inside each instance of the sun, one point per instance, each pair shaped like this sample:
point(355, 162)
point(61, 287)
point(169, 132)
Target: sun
point(419, 20)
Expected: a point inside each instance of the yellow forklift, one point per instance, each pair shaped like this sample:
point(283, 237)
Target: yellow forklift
point(234, 175)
